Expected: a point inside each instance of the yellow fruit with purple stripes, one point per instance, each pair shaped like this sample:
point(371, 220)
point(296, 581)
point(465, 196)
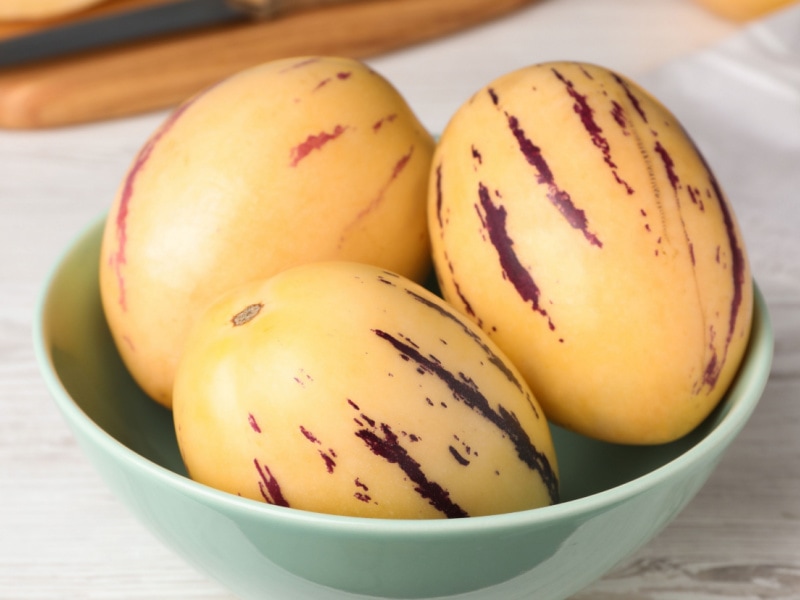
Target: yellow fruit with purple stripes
point(342, 388)
point(291, 161)
point(573, 219)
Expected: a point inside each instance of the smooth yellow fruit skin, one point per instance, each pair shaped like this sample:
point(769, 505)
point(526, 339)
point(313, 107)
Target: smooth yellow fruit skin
point(573, 218)
point(292, 161)
point(351, 390)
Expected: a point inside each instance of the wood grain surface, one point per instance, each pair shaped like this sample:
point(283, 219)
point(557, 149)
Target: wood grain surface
point(162, 72)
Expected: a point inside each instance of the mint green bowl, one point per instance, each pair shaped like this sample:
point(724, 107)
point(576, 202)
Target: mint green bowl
point(616, 498)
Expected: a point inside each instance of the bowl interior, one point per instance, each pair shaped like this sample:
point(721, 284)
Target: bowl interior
point(89, 368)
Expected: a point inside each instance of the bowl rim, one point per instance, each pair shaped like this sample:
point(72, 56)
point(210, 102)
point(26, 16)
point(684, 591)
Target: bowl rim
point(750, 387)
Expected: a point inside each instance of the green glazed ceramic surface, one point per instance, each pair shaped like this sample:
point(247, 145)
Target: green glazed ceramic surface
point(615, 498)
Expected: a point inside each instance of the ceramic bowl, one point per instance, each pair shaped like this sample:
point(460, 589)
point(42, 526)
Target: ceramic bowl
point(615, 498)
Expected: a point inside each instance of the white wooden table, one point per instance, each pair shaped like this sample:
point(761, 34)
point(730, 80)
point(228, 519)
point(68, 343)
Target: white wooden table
point(63, 535)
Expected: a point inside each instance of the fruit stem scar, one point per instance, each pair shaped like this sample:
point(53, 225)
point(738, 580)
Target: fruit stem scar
point(247, 314)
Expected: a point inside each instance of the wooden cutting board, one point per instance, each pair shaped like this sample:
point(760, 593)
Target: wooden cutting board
point(157, 74)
